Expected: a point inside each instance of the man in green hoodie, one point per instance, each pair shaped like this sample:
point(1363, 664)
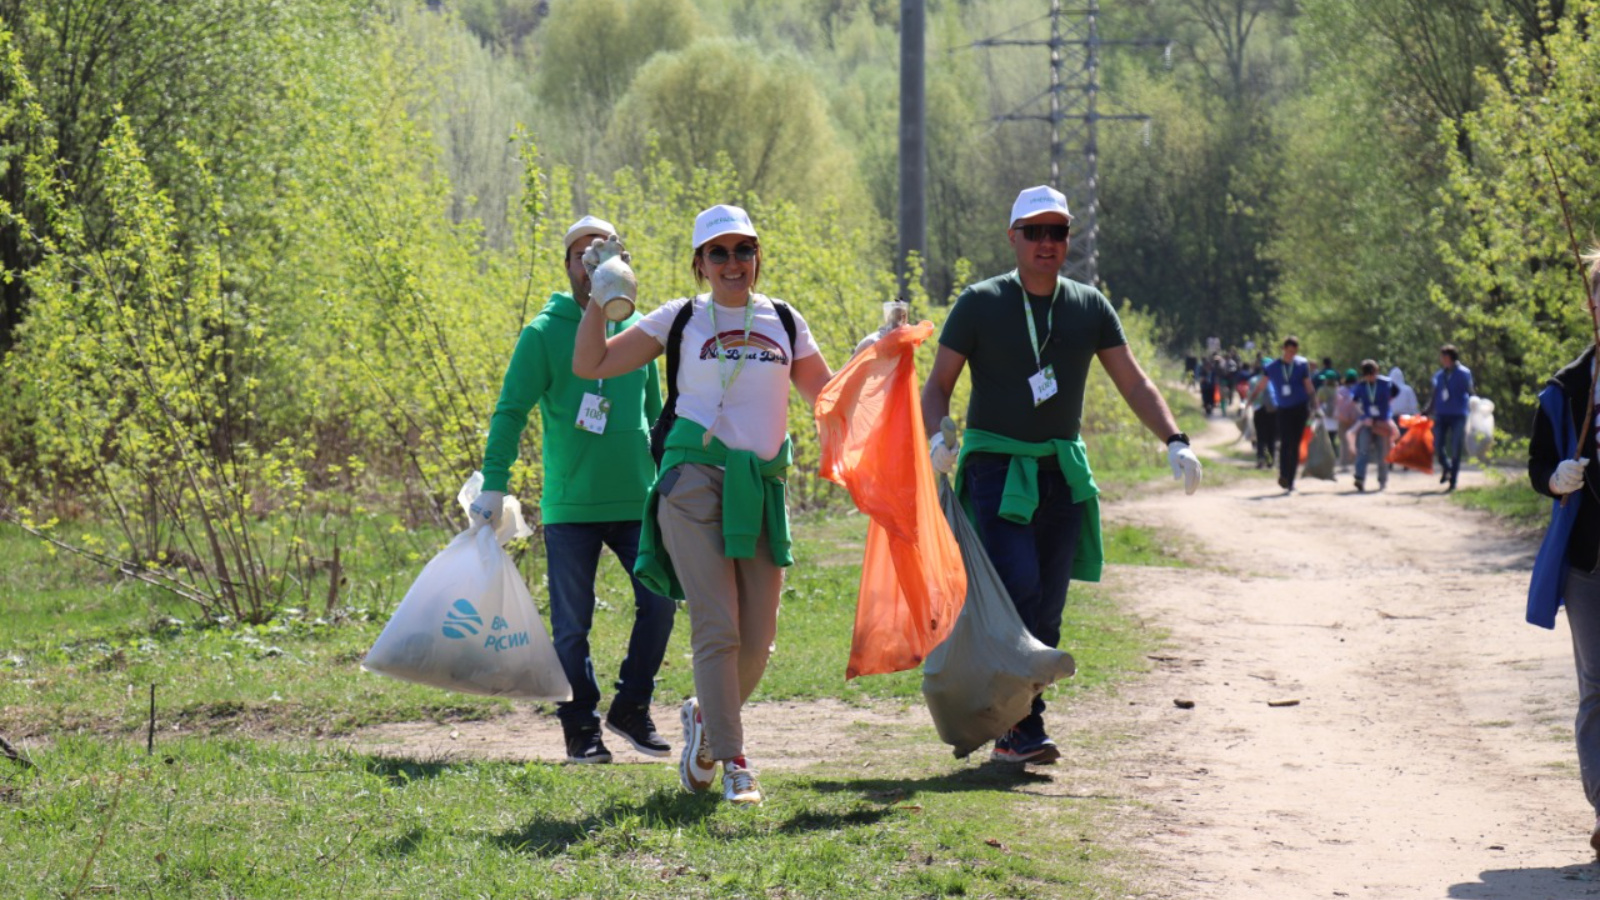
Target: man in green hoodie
point(1023, 472)
point(597, 473)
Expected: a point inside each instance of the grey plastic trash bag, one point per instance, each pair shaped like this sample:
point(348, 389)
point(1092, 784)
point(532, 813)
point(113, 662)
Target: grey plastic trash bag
point(468, 624)
point(982, 679)
point(1319, 454)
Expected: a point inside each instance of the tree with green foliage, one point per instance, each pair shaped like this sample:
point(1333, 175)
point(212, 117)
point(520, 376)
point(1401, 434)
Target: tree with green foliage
point(1515, 292)
point(721, 97)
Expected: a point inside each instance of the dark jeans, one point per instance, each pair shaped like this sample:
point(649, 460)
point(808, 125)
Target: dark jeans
point(1291, 427)
point(573, 554)
point(1034, 561)
point(1448, 434)
point(1266, 422)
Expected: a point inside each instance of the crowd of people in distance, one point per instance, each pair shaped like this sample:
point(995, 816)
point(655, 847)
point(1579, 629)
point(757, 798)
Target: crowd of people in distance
point(1360, 409)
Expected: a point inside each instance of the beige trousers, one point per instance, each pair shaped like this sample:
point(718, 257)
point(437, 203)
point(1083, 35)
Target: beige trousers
point(733, 603)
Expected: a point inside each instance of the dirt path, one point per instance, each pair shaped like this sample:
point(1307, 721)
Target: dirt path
point(1430, 752)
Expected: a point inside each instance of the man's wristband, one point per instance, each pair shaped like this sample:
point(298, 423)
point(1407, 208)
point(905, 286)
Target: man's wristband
point(1180, 436)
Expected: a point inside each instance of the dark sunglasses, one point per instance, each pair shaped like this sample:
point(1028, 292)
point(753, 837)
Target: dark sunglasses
point(1040, 232)
point(719, 254)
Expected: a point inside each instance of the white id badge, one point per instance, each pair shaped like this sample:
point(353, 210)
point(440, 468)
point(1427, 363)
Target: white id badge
point(592, 414)
point(1285, 390)
point(1444, 393)
point(1372, 411)
point(1043, 383)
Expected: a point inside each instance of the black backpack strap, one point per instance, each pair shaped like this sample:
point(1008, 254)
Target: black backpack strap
point(674, 338)
point(786, 316)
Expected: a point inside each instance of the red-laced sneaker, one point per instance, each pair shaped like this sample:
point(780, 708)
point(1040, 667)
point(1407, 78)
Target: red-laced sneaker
point(739, 783)
point(696, 767)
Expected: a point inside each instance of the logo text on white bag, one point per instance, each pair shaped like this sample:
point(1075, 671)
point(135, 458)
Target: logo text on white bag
point(462, 621)
point(503, 641)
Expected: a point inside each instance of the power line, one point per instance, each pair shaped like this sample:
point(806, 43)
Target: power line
point(1081, 122)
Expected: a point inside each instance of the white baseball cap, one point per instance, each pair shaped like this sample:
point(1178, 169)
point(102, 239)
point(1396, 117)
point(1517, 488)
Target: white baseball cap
point(720, 220)
point(1037, 201)
point(589, 226)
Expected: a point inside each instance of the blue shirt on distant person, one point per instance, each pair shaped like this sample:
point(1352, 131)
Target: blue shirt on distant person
point(1451, 388)
point(1288, 382)
point(1373, 397)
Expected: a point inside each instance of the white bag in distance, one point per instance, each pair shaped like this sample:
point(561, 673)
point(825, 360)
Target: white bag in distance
point(982, 679)
point(468, 624)
point(1480, 427)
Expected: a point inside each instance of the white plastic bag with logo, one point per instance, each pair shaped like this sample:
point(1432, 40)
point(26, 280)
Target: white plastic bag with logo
point(468, 624)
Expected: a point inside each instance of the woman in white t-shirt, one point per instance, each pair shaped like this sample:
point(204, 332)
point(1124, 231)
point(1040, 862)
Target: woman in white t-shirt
point(715, 530)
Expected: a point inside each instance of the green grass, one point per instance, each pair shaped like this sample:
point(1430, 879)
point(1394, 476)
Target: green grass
point(243, 818)
point(245, 798)
point(1507, 497)
point(1132, 545)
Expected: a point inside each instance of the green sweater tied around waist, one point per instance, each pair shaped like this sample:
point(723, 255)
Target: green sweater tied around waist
point(1021, 495)
point(753, 494)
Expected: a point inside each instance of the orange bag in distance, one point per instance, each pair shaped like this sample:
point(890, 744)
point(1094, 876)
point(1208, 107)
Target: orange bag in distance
point(913, 582)
point(1414, 450)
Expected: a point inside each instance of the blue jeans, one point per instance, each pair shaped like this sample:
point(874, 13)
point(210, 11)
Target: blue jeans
point(1034, 561)
point(573, 554)
point(1583, 616)
point(1372, 445)
point(1449, 432)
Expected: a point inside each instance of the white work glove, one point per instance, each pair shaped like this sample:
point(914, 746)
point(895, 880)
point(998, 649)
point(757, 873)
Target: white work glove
point(943, 457)
point(487, 509)
point(1184, 465)
point(1567, 477)
point(592, 257)
point(866, 342)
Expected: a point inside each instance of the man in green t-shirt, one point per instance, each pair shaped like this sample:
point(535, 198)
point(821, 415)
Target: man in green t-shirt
point(597, 473)
point(1029, 336)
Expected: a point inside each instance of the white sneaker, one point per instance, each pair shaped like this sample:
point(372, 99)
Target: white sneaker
point(739, 783)
point(696, 767)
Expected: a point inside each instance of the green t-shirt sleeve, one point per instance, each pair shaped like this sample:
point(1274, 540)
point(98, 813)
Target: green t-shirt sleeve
point(527, 379)
point(1110, 326)
point(960, 332)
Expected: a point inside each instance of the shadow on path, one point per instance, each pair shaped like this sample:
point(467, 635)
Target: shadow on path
point(1539, 883)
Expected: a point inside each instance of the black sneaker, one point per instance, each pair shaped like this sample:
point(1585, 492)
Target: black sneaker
point(586, 747)
point(634, 723)
point(1033, 749)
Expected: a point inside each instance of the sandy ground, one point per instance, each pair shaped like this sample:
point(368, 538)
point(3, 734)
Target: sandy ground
point(1427, 753)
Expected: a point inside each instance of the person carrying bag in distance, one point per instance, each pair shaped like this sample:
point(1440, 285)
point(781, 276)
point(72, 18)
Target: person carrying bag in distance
point(716, 529)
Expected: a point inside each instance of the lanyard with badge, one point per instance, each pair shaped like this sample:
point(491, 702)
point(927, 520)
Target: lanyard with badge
point(724, 377)
point(1287, 368)
point(1370, 388)
point(1042, 382)
point(595, 408)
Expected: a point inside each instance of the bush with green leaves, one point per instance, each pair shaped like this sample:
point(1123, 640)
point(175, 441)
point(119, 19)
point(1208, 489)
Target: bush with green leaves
point(1516, 288)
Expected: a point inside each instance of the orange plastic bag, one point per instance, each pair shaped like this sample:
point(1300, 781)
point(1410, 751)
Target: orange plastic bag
point(913, 582)
point(1305, 444)
point(1414, 450)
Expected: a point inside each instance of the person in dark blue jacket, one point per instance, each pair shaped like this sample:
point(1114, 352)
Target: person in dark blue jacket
point(1289, 379)
point(1372, 395)
point(1564, 571)
point(1452, 385)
